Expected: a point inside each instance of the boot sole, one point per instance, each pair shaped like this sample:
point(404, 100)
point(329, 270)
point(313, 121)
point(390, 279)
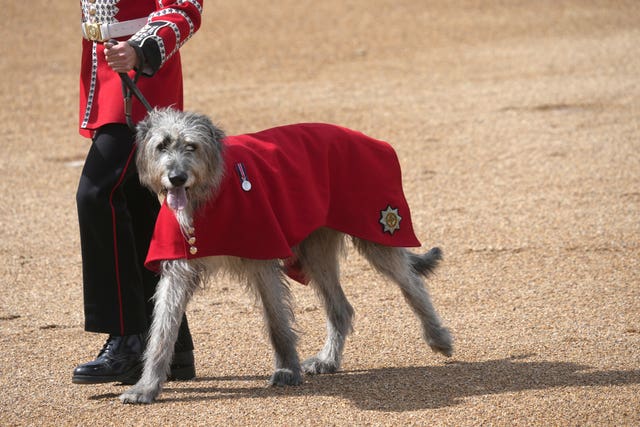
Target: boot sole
point(129, 377)
point(183, 373)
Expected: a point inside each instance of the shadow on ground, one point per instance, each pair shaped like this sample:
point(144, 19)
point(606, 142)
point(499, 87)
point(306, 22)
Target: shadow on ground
point(413, 388)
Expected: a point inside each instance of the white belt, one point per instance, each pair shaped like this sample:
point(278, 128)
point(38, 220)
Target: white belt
point(102, 32)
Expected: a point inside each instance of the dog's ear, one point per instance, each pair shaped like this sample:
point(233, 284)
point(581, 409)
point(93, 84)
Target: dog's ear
point(142, 129)
point(216, 135)
point(142, 133)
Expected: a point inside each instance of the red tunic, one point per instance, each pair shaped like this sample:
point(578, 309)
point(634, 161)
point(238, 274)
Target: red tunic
point(302, 177)
point(170, 24)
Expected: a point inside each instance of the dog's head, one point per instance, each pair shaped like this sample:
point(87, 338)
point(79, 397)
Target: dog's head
point(179, 156)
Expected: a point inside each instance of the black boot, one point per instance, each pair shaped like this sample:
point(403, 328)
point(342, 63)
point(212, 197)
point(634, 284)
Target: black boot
point(118, 361)
point(183, 366)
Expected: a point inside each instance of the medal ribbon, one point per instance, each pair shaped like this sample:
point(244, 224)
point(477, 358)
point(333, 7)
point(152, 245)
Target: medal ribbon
point(242, 172)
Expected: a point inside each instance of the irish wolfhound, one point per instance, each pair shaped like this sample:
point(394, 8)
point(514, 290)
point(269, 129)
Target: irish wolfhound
point(184, 157)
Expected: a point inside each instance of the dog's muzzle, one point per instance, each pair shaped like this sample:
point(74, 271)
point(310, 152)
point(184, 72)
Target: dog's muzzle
point(178, 179)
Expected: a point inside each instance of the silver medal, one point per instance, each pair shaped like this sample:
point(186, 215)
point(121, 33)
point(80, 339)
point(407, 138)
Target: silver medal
point(246, 185)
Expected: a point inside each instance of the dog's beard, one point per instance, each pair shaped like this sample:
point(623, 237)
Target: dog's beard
point(185, 221)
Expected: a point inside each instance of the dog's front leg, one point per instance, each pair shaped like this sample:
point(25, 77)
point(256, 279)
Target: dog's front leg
point(178, 281)
point(266, 279)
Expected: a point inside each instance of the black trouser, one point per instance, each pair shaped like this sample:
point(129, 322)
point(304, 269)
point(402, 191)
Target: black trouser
point(117, 216)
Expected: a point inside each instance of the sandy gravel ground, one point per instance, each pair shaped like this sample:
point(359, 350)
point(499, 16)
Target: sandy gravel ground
point(516, 123)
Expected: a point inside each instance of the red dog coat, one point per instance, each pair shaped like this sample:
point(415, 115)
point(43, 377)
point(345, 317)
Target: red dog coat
point(281, 184)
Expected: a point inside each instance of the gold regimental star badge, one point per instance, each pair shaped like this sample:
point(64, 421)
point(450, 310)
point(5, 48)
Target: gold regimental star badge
point(390, 220)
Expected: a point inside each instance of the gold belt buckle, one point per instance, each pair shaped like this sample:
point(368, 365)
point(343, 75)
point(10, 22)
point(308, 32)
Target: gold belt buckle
point(93, 32)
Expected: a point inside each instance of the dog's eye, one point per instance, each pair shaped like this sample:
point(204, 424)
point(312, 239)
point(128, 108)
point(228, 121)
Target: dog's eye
point(162, 146)
point(191, 147)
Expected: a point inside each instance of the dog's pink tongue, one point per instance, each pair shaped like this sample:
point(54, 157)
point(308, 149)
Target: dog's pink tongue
point(177, 198)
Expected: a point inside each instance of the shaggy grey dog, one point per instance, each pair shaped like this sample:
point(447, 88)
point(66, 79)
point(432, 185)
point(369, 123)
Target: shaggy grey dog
point(180, 156)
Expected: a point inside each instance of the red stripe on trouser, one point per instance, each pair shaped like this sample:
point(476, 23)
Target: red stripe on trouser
point(115, 238)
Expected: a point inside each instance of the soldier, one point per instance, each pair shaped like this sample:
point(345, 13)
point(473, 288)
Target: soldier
point(116, 214)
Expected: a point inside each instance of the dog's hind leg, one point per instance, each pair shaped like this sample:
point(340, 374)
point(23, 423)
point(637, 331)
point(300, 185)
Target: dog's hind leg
point(405, 269)
point(318, 255)
point(174, 290)
point(266, 279)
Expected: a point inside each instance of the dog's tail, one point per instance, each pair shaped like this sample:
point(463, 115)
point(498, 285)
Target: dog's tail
point(426, 264)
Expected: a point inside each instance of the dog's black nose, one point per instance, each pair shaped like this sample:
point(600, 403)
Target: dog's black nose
point(178, 179)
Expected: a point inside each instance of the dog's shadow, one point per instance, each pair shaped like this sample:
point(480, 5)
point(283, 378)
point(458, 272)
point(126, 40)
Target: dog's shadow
point(415, 388)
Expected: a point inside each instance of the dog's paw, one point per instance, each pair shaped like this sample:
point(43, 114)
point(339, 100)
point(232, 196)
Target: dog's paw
point(138, 394)
point(284, 377)
point(315, 365)
point(440, 341)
